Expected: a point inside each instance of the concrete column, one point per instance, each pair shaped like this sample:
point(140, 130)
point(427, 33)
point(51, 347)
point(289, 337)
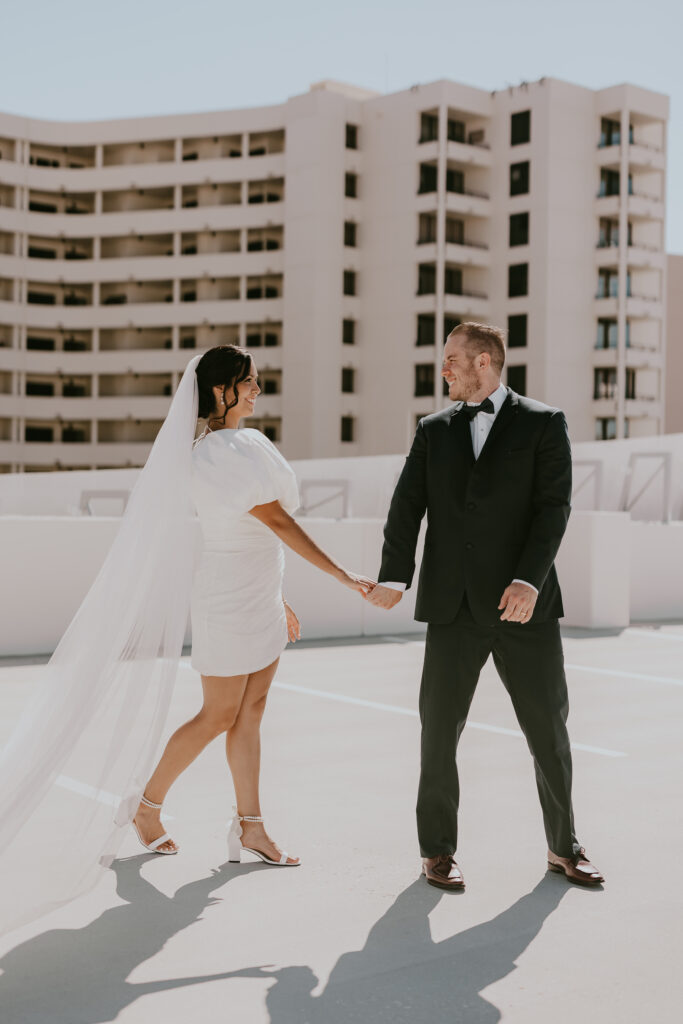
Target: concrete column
point(440, 254)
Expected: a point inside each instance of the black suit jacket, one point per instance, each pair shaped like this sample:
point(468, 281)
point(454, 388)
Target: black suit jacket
point(489, 521)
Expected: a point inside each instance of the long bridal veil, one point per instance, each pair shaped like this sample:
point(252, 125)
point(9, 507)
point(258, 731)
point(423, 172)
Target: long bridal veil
point(73, 771)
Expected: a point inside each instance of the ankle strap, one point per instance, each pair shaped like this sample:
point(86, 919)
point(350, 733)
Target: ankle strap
point(148, 803)
point(247, 817)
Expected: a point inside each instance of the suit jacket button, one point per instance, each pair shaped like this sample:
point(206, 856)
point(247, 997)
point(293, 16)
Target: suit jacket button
point(469, 544)
point(471, 504)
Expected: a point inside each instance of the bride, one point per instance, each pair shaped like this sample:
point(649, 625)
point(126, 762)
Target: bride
point(244, 492)
point(76, 769)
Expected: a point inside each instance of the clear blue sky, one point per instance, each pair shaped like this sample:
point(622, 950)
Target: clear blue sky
point(86, 59)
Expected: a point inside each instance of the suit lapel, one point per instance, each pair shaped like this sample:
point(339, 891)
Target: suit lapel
point(508, 411)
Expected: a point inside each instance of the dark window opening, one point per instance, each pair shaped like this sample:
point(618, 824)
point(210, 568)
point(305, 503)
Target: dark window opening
point(351, 185)
point(352, 136)
point(350, 233)
point(520, 127)
point(348, 380)
point(424, 380)
point(518, 279)
point(517, 379)
point(519, 178)
point(349, 282)
point(517, 330)
point(347, 428)
point(519, 229)
point(426, 329)
point(349, 332)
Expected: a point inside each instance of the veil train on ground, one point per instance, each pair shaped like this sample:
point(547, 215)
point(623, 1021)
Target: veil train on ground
point(74, 769)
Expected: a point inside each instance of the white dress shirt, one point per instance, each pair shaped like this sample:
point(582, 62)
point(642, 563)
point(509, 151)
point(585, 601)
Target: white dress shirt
point(480, 427)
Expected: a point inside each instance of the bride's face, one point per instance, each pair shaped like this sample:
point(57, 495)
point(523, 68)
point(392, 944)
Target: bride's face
point(248, 391)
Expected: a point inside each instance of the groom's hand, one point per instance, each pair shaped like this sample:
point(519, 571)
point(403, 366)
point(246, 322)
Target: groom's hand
point(384, 597)
point(517, 603)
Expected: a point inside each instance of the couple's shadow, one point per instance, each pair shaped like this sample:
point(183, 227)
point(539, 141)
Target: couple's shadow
point(79, 976)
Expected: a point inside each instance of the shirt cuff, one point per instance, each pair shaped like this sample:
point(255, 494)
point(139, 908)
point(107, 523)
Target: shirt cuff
point(394, 586)
point(527, 584)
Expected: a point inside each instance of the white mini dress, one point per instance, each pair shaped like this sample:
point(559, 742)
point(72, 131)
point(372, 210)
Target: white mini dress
point(238, 617)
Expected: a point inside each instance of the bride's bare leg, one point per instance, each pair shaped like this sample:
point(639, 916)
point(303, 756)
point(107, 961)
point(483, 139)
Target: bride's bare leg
point(243, 746)
point(223, 697)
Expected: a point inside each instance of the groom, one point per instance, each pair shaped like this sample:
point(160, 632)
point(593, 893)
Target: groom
point(493, 474)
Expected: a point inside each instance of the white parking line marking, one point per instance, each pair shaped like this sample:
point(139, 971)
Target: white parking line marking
point(397, 710)
point(623, 674)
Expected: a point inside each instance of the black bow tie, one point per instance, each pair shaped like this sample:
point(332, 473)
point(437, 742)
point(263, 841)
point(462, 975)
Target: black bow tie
point(472, 410)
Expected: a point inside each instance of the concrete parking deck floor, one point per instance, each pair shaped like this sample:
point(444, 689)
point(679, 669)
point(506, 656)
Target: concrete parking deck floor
point(354, 935)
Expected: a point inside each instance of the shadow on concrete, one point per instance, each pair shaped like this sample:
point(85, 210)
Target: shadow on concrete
point(78, 975)
point(401, 976)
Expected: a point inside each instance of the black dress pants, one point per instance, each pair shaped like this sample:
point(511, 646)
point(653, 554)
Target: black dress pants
point(530, 662)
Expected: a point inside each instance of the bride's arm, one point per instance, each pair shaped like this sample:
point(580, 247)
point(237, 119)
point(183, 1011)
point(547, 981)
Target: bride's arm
point(290, 533)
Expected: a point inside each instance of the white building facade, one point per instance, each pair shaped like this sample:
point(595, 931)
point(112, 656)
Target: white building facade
point(338, 236)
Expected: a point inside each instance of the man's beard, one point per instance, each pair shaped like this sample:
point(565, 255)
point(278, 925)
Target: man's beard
point(463, 390)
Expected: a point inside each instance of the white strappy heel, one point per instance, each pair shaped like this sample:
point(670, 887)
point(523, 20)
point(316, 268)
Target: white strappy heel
point(235, 846)
point(153, 847)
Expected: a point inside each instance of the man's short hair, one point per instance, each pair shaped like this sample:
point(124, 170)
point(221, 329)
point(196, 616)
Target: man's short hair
point(483, 338)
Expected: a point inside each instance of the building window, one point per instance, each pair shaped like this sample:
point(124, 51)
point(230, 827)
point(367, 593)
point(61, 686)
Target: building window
point(349, 282)
point(348, 428)
point(519, 178)
point(348, 380)
point(426, 279)
point(609, 182)
point(348, 332)
point(426, 329)
point(455, 231)
point(429, 127)
point(38, 434)
point(519, 229)
point(455, 181)
point(517, 379)
point(608, 284)
point(453, 281)
point(609, 233)
point(604, 382)
point(428, 178)
point(520, 127)
point(610, 132)
point(426, 229)
point(40, 344)
point(352, 136)
point(605, 428)
point(518, 279)
point(40, 387)
point(424, 380)
point(630, 382)
point(456, 130)
point(351, 185)
point(517, 331)
point(350, 233)
point(449, 323)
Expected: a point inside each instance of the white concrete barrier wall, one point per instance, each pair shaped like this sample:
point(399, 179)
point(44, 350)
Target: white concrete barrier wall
point(48, 564)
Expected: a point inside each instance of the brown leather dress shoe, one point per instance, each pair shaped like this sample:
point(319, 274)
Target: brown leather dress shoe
point(577, 869)
point(443, 872)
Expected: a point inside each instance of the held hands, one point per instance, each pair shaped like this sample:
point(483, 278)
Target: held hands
point(518, 602)
point(353, 581)
point(384, 597)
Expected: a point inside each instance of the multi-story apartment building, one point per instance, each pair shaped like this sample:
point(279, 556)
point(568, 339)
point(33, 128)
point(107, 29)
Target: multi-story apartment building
point(338, 235)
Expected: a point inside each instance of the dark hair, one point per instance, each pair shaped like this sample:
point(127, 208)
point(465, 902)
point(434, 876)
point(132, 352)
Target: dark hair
point(224, 366)
point(483, 338)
